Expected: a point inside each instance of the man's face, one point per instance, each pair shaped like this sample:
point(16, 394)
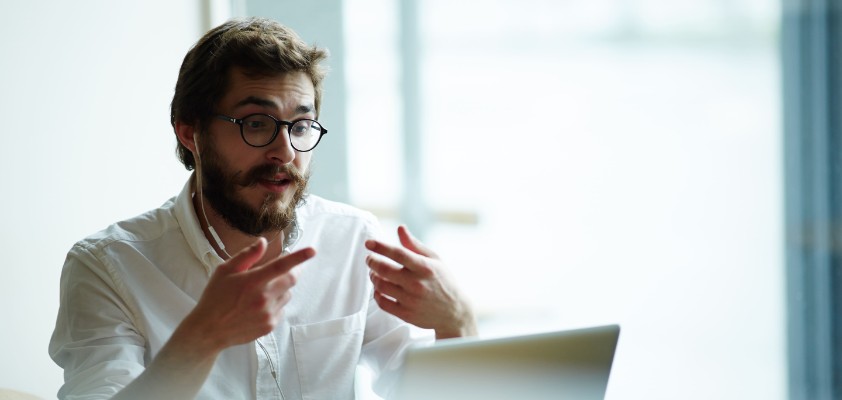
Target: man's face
point(255, 189)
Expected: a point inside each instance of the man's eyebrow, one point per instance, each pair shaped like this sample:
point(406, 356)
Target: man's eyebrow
point(256, 101)
point(259, 101)
point(304, 109)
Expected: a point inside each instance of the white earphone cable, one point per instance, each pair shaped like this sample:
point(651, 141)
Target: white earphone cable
point(221, 246)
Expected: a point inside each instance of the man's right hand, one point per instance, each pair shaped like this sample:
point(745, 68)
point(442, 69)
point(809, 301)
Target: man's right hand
point(244, 301)
point(241, 303)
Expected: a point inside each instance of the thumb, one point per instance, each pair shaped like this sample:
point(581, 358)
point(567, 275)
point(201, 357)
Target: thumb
point(246, 258)
point(413, 244)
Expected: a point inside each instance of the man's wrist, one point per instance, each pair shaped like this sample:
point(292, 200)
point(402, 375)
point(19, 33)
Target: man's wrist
point(467, 326)
point(196, 339)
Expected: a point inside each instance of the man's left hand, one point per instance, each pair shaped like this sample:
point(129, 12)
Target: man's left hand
point(418, 289)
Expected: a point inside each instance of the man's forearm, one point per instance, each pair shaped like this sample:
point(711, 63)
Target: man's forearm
point(179, 370)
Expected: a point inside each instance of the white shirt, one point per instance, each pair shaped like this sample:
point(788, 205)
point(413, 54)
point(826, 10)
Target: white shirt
point(124, 291)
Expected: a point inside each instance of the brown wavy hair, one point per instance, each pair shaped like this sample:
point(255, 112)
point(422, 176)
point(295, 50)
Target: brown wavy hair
point(260, 46)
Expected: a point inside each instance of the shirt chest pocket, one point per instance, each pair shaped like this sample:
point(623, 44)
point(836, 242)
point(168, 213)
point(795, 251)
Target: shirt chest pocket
point(327, 353)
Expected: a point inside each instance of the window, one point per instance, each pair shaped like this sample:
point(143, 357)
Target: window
point(623, 161)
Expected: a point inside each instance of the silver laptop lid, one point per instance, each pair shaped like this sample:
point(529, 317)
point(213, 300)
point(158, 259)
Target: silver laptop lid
point(573, 364)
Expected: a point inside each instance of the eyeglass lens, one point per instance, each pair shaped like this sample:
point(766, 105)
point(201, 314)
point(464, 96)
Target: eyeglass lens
point(258, 130)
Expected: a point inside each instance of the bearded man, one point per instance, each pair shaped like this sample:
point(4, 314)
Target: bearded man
point(244, 286)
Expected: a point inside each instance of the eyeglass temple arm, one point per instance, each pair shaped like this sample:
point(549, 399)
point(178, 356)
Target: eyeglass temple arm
point(227, 118)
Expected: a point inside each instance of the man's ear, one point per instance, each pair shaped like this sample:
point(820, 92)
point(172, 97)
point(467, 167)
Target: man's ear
point(186, 135)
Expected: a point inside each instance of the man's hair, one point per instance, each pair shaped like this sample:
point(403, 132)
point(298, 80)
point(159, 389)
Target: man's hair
point(260, 46)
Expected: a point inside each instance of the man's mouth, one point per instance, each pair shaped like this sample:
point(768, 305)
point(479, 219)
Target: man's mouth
point(275, 178)
point(275, 183)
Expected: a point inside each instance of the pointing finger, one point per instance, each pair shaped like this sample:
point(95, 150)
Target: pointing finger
point(246, 258)
point(283, 264)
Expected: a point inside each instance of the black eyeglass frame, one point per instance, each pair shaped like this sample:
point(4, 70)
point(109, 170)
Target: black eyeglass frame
point(278, 124)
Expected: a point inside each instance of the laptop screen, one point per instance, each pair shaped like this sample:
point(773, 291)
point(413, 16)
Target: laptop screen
point(572, 364)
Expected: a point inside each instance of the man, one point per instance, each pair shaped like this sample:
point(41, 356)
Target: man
point(243, 286)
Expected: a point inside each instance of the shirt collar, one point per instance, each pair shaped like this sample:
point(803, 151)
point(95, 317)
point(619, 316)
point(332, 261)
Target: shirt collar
point(189, 222)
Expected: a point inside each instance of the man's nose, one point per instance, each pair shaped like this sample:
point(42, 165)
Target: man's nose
point(280, 150)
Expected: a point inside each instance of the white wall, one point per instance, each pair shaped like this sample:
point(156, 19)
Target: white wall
point(85, 88)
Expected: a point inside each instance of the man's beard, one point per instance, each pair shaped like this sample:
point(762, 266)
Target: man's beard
point(221, 189)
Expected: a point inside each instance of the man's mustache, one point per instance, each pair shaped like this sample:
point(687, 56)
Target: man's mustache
point(268, 172)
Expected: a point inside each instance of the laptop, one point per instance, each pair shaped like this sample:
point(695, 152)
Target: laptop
point(572, 364)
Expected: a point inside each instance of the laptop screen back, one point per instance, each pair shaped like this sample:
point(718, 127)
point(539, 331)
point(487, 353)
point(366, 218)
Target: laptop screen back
point(571, 364)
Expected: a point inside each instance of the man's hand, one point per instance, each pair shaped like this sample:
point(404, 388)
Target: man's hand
point(418, 289)
point(243, 302)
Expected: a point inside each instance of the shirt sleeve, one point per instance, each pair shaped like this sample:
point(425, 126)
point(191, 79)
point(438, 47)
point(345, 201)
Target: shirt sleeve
point(95, 340)
point(386, 339)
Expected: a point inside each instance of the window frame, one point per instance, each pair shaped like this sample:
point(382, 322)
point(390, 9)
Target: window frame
point(810, 51)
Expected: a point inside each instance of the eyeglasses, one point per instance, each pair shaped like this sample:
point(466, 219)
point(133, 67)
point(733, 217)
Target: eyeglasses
point(260, 130)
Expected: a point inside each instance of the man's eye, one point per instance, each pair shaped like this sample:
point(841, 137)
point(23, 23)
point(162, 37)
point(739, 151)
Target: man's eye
point(300, 129)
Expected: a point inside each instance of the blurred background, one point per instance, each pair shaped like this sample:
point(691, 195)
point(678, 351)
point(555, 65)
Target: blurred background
point(575, 162)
